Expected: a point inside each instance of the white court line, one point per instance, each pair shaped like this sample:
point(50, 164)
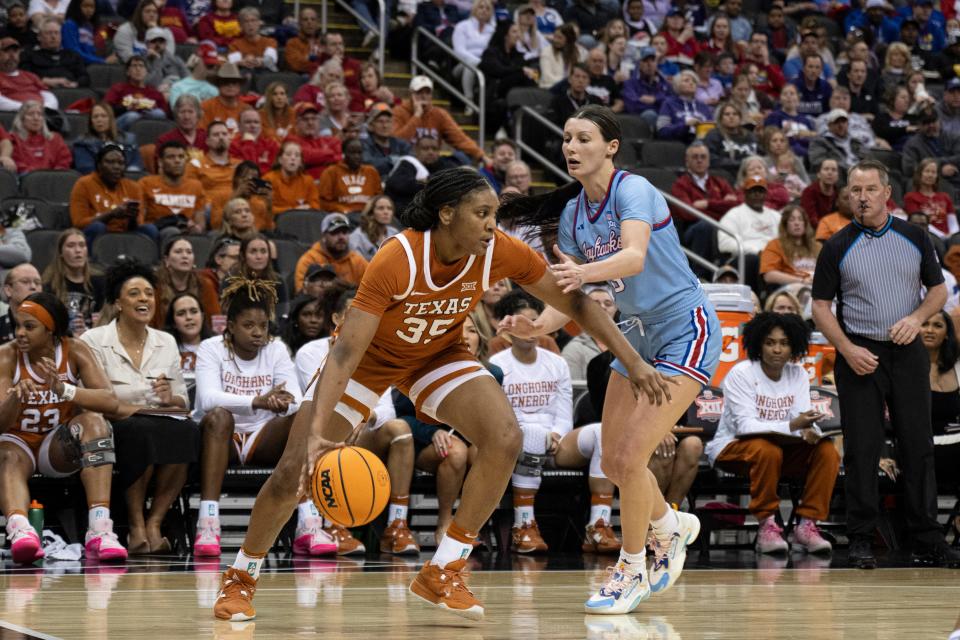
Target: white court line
point(27, 631)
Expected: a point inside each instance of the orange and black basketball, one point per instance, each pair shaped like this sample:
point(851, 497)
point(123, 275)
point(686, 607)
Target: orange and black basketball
point(350, 486)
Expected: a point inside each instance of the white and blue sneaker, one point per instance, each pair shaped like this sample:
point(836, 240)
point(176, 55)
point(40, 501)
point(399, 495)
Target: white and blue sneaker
point(621, 591)
point(670, 552)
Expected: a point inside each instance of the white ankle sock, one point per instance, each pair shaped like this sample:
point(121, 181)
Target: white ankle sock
point(633, 563)
point(209, 509)
point(17, 521)
point(522, 515)
point(450, 550)
point(396, 512)
point(326, 523)
point(667, 523)
point(306, 509)
point(598, 511)
point(96, 514)
point(249, 564)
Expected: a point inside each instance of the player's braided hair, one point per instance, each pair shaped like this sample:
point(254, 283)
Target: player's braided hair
point(239, 294)
point(443, 189)
point(542, 212)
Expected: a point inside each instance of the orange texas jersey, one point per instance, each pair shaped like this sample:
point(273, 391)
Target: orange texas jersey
point(422, 303)
point(43, 410)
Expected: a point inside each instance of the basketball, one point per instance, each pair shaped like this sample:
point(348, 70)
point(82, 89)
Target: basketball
point(350, 486)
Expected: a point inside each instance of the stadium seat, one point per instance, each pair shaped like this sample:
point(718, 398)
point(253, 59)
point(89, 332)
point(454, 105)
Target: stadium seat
point(533, 97)
point(8, 185)
point(889, 159)
point(77, 125)
point(663, 154)
point(6, 119)
point(67, 96)
point(583, 410)
point(185, 49)
point(662, 179)
point(110, 246)
point(43, 246)
point(288, 253)
point(50, 215)
point(634, 127)
point(302, 224)
point(103, 76)
point(705, 411)
point(134, 175)
point(293, 81)
point(147, 130)
point(201, 248)
point(54, 186)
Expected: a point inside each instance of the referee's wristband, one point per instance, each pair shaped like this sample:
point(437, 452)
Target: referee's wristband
point(68, 393)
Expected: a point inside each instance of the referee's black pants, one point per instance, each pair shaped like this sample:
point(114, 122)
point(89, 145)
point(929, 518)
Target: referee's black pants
point(902, 379)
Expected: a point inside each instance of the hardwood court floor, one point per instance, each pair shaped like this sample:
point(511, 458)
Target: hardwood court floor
point(157, 600)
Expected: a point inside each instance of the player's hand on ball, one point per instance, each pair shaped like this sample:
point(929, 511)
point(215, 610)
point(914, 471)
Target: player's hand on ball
point(569, 274)
point(317, 445)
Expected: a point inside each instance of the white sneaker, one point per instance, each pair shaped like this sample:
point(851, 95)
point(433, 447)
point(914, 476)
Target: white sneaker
point(101, 543)
point(670, 552)
point(621, 591)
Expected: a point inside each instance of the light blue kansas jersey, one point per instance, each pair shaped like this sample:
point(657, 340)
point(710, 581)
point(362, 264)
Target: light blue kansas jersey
point(667, 285)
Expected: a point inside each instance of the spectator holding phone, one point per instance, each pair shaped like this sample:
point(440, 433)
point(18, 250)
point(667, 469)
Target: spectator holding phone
point(768, 431)
point(105, 201)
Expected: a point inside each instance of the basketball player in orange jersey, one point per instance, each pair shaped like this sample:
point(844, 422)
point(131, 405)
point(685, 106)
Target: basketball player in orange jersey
point(405, 328)
point(51, 425)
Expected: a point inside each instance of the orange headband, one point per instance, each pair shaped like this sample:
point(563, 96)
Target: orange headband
point(38, 312)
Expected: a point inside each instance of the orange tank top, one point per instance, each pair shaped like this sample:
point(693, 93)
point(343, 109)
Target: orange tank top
point(423, 303)
point(44, 410)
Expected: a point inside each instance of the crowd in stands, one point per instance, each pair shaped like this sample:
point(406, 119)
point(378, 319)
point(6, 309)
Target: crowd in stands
point(208, 362)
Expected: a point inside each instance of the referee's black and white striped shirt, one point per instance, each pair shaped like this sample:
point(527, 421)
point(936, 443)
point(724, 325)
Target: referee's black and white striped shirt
point(876, 275)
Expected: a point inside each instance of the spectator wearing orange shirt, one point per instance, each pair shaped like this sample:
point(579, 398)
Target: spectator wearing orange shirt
point(252, 52)
point(251, 143)
point(832, 223)
point(302, 52)
point(348, 185)
point(249, 186)
point(319, 152)
point(174, 203)
point(215, 168)
point(221, 26)
point(791, 257)
point(227, 106)
point(277, 115)
point(333, 249)
point(105, 201)
point(292, 188)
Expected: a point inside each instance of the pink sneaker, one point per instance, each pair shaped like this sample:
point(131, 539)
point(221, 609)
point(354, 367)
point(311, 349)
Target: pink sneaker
point(311, 540)
point(206, 544)
point(807, 535)
point(25, 545)
point(770, 538)
point(101, 543)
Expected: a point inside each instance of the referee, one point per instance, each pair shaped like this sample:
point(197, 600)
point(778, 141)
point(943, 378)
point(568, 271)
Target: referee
point(874, 268)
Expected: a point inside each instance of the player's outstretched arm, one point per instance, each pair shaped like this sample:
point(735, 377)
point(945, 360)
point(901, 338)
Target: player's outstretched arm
point(356, 334)
point(628, 261)
point(598, 324)
point(9, 399)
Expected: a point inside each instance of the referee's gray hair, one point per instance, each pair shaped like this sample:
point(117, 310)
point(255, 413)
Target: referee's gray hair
point(871, 165)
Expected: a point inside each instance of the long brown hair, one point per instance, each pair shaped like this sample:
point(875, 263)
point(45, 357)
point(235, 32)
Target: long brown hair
point(166, 291)
point(268, 274)
point(55, 275)
point(368, 222)
point(919, 172)
point(111, 129)
point(808, 247)
point(271, 116)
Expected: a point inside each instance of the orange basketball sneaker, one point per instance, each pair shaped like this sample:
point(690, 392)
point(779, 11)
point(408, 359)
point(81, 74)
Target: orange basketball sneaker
point(527, 539)
point(398, 539)
point(235, 599)
point(445, 588)
point(346, 543)
point(600, 538)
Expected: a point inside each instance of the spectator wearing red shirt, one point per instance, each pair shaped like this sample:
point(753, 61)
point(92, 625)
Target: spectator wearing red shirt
point(16, 86)
point(682, 46)
point(820, 198)
point(770, 79)
point(134, 99)
point(250, 143)
point(319, 152)
point(221, 26)
point(186, 113)
point(712, 195)
point(927, 198)
point(333, 47)
point(34, 145)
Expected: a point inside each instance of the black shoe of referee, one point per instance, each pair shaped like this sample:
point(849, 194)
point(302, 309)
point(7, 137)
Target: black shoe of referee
point(935, 554)
point(861, 555)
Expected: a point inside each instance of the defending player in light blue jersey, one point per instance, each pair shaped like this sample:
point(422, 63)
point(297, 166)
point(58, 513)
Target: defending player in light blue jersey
point(612, 225)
